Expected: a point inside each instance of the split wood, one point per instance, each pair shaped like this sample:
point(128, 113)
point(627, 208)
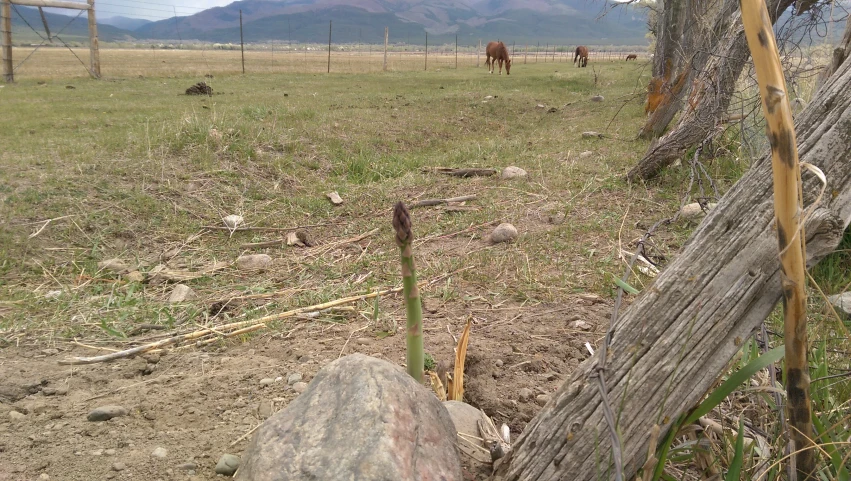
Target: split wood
point(463, 172)
point(431, 202)
point(241, 327)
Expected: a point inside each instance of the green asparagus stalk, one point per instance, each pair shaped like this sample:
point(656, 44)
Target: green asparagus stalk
point(413, 305)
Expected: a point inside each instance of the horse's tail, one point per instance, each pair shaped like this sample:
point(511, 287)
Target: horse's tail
point(575, 54)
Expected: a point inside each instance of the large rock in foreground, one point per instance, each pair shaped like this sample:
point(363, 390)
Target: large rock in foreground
point(361, 419)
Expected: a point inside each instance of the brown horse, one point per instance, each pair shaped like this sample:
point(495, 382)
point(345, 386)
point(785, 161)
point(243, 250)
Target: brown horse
point(631, 56)
point(581, 54)
point(496, 51)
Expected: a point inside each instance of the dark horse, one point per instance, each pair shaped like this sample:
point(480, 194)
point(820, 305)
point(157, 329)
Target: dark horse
point(581, 54)
point(631, 56)
point(496, 51)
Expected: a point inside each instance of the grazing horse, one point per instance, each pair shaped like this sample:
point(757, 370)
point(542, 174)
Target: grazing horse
point(496, 51)
point(631, 56)
point(581, 54)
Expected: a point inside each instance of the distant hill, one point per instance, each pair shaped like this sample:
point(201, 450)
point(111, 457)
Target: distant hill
point(59, 25)
point(520, 21)
point(125, 23)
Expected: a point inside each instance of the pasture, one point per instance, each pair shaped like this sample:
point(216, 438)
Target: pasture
point(129, 168)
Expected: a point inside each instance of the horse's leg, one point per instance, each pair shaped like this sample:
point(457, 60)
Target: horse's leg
point(500, 65)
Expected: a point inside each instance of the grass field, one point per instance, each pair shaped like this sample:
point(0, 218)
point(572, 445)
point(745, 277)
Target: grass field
point(129, 167)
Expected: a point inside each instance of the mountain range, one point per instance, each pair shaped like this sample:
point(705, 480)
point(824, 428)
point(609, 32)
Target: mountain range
point(363, 21)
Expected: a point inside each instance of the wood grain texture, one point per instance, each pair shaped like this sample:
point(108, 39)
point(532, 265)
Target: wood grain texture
point(713, 296)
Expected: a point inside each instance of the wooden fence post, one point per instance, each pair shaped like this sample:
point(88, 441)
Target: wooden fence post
point(94, 52)
point(329, 46)
point(386, 34)
point(6, 27)
point(241, 42)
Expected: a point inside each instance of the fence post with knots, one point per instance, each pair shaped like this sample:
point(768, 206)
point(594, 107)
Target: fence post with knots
point(6, 31)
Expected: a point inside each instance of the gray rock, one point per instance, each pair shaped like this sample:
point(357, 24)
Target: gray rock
point(466, 419)
point(43, 476)
point(254, 262)
point(161, 453)
point(62, 390)
point(264, 409)
point(49, 391)
point(586, 154)
point(227, 464)
point(50, 351)
point(187, 466)
point(294, 378)
point(10, 393)
point(597, 98)
point(504, 232)
point(181, 293)
point(375, 423)
point(300, 387)
point(16, 416)
point(591, 134)
point(581, 325)
point(115, 265)
point(105, 413)
point(498, 363)
point(512, 172)
point(525, 394)
point(109, 452)
point(542, 399)
point(842, 303)
point(266, 381)
point(119, 466)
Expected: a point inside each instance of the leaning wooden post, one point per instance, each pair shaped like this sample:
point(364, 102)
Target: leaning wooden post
point(329, 46)
point(788, 209)
point(456, 52)
point(386, 34)
point(426, 53)
point(478, 53)
point(6, 40)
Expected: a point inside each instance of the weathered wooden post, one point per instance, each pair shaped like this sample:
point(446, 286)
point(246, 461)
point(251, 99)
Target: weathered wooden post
point(241, 42)
point(329, 46)
point(386, 34)
point(6, 27)
point(478, 53)
point(94, 52)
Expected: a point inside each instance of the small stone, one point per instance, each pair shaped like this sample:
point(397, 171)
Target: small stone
point(267, 381)
point(488, 97)
point(134, 276)
point(299, 387)
point(504, 232)
point(232, 221)
point(540, 106)
point(105, 413)
point(62, 390)
point(109, 452)
point(254, 262)
point(115, 265)
point(110, 476)
point(542, 399)
point(181, 293)
point(44, 476)
point(161, 453)
point(119, 466)
point(294, 378)
point(512, 172)
point(53, 294)
point(335, 198)
point(16, 416)
point(49, 391)
point(50, 352)
point(842, 303)
point(97, 452)
point(558, 218)
point(227, 464)
point(694, 210)
point(525, 394)
point(264, 409)
point(187, 466)
point(591, 134)
point(597, 98)
point(498, 363)
point(586, 154)
point(582, 325)
point(152, 358)
point(363, 341)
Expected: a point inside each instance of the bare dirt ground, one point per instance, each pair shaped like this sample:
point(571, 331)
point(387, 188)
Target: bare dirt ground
point(200, 404)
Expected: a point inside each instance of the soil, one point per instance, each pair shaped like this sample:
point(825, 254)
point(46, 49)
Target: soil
point(199, 404)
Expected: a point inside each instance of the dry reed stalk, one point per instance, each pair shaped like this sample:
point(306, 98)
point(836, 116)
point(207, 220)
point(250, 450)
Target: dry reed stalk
point(788, 207)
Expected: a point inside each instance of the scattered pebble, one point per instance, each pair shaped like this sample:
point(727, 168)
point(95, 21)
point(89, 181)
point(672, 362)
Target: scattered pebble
point(181, 293)
point(542, 399)
point(591, 134)
point(488, 97)
point(540, 106)
point(504, 232)
point(227, 464)
point(48, 391)
point(524, 394)
point(254, 262)
point(586, 154)
point(694, 210)
point(53, 294)
point(187, 466)
point(264, 409)
point(119, 466)
point(512, 172)
point(498, 363)
point(582, 325)
point(362, 341)
point(16, 416)
point(232, 221)
point(62, 390)
point(50, 352)
point(294, 378)
point(266, 381)
point(597, 98)
point(161, 453)
point(114, 265)
point(109, 452)
point(335, 197)
point(44, 476)
point(105, 413)
point(299, 387)
point(558, 218)
point(134, 276)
